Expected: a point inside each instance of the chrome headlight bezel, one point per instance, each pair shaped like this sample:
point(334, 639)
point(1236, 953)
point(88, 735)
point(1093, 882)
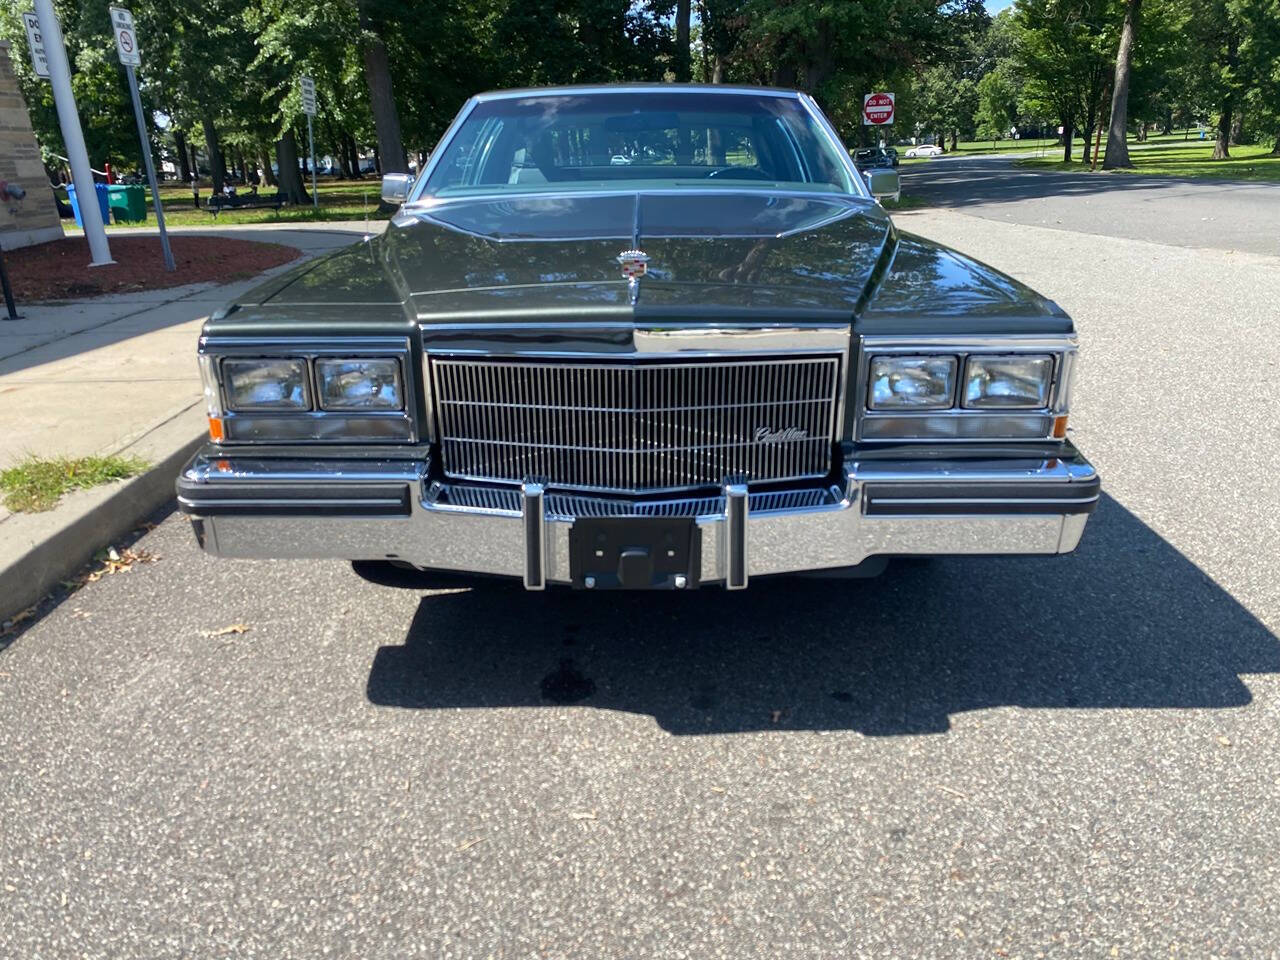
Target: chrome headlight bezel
point(315, 422)
point(960, 422)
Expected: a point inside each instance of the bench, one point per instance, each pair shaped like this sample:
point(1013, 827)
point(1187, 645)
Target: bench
point(247, 201)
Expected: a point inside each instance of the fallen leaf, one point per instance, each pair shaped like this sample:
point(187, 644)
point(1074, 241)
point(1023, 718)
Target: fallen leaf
point(12, 623)
point(1224, 741)
point(583, 815)
point(226, 631)
point(470, 843)
point(717, 790)
point(775, 716)
point(116, 561)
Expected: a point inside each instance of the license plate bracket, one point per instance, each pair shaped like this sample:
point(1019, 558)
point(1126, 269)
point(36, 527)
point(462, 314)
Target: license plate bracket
point(634, 553)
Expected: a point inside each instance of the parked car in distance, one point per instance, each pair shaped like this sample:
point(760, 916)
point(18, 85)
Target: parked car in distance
point(924, 150)
point(869, 157)
point(718, 362)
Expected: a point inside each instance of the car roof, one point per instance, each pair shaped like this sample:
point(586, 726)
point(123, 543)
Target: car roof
point(569, 89)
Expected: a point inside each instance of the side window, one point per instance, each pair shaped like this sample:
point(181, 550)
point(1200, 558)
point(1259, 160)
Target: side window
point(469, 153)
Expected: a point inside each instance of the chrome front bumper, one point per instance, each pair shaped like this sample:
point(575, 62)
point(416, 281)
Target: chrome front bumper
point(389, 510)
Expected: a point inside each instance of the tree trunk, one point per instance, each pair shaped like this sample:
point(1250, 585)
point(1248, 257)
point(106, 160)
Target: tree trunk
point(1222, 144)
point(344, 160)
point(1237, 128)
point(1275, 151)
point(353, 156)
point(683, 14)
point(332, 136)
point(1067, 133)
point(377, 74)
point(266, 178)
point(1090, 119)
point(955, 135)
point(717, 69)
point(1117, 144)
point(184, 161)
point(291, 184)
point(195, 162)
point(213, 150)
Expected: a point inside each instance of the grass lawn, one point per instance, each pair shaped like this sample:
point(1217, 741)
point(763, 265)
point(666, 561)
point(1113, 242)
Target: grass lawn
point(905, 201)
point(339, 200)
point(37, 484)
point(1179, 160)
point(1003, 146)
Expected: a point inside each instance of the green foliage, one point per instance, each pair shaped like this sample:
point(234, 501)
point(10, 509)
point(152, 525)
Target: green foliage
point(228, 69)
point(36, 484)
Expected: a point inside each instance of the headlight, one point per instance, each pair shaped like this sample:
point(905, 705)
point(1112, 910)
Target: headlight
point(1009, 383)
point(912, 383)
point(359, 384)
point(266, 384)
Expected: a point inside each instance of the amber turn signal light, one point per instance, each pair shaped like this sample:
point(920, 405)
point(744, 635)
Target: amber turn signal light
point(216, 433)
point(1059, 427)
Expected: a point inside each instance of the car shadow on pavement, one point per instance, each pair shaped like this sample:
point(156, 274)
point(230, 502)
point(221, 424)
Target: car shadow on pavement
point(1126, 622)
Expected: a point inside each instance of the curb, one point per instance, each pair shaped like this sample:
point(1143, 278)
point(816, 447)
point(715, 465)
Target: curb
point(40, 550)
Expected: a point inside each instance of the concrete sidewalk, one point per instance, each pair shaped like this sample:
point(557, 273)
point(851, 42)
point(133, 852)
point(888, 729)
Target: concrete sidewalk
point(111, 375)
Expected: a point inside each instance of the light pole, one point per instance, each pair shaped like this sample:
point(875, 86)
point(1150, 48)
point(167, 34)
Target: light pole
point(72, 135)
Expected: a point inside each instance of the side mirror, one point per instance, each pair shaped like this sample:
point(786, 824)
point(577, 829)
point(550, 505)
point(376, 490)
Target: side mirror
point(883, 183)
point(396, 187)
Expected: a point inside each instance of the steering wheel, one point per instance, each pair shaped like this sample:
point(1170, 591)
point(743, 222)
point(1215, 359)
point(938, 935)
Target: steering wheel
point(738, 173)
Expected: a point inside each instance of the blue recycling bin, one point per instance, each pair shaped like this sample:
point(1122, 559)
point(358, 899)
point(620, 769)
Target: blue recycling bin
point(104, 202)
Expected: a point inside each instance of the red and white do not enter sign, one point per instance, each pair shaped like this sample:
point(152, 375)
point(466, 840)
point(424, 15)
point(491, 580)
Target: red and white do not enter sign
point(877, 109)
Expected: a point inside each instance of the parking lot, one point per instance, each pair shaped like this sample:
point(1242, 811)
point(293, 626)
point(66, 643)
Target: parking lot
point(1041, 757)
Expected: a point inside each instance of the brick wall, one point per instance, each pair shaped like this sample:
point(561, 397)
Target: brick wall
point(35, 219)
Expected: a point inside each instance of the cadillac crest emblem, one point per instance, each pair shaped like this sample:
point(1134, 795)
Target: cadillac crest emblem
point(634, 263)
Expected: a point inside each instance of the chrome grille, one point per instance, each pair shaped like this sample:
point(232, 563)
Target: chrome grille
point(636, 427)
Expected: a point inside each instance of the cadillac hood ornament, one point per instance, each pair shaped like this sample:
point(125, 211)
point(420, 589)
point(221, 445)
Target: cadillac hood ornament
point(634, 263)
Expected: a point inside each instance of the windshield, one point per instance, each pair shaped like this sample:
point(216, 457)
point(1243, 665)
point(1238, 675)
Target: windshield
point(630, 140)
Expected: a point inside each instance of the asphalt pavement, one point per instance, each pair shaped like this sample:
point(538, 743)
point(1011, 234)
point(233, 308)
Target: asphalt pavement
point(1014, 757)
point(1219, 214)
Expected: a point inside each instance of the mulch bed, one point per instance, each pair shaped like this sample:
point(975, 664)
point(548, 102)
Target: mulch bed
point(60, 270)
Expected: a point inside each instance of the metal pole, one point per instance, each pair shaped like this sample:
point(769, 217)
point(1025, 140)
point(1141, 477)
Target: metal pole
point(72, 135)
point(151, 168)
point(311, 143)
point(8, 290)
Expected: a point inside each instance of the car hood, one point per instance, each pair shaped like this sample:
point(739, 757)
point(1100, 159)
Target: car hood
point(711, 254)
point(742, 252)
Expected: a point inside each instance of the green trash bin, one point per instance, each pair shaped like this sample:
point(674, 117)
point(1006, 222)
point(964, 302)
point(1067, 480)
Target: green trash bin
point(128, 202)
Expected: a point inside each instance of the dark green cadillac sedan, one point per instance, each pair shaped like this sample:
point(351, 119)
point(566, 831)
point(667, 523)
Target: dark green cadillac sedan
point(639, 337)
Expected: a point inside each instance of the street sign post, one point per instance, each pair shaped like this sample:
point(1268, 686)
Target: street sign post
point(64, 99)
point(35, 42)
point(307, 86)
point(877, 109)
point(131, 56)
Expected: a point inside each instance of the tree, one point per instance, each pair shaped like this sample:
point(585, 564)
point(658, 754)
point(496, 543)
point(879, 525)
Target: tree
point(683, 16)
point(1117, 135)
point(377, 71)
point(1064, 56)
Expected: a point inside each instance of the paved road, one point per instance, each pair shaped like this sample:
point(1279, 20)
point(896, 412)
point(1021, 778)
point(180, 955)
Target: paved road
point(1225, 215)
point(1067, 757)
